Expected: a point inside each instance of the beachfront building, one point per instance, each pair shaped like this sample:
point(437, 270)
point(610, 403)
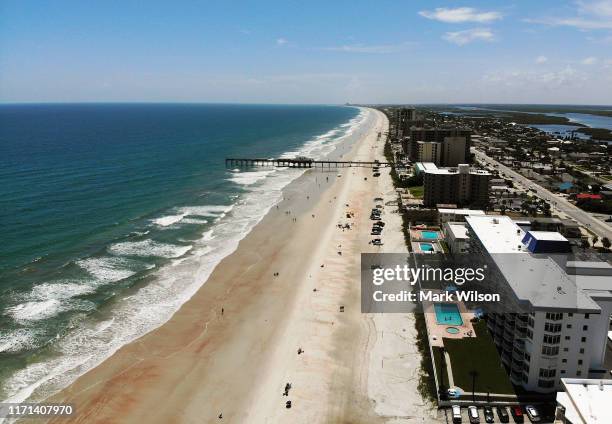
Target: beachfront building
point(428, 151)
point(457, 215)
point(560, 329)
point(462, 186)
point(402, 119)
point(421, 167)
point(456, 237)
point(451, 144)
point(584, 401)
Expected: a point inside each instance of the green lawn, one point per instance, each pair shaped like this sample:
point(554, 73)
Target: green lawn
point(479, 354)
point(416, 191)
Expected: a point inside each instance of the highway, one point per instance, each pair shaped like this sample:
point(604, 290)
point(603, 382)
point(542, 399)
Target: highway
point(584, 218)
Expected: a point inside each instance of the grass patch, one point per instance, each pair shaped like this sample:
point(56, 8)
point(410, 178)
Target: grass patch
point(478, 354)
point(417, 191)
point(427, 383)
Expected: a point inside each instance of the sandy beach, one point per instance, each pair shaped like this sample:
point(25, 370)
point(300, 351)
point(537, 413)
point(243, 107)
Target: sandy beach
point(292, 286)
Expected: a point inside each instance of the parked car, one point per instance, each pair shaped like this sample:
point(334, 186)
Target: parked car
point(517, 414)
point(473, 415)
point(376, 174)
point(456, 414)
point(533, 414)
point(377, 242)
point(453, 393)
point(502, 413)
point(488, 414)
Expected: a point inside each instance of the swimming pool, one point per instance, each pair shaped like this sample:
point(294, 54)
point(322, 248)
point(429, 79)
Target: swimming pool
point(452, 330)
point(426, 247)
point(447, 314)
point(429, 235)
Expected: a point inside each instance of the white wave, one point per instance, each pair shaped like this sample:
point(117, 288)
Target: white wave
point(164, 221)
point(195, 221)
point(180, 214)
point(110, 269)
point(250, 177)
point(17, 340)
point(60, 290)
point(38, 310)
point(149, 248)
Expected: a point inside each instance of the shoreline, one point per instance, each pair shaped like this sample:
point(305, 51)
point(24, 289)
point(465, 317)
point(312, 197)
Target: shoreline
point(233, 346)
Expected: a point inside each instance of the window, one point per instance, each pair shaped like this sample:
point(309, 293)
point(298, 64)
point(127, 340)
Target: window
point(564, 361)
point(578, 373)
point(530, 322)
point(546, 384)
point(585, 327)
point(579, 361)
point(551, 339)
point(586, 316)
point(583, 339)
point(566, 349)
point(581, 350)
point(570, 314)
point(552, 328)
point(567, 337)
point(562, 371)
point(546, 373)
point(554, 316)
point(569, 325)
point(527, 357)
point(529, 334)
point(550, 350)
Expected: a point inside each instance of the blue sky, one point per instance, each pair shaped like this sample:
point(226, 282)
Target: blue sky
point(307, 51)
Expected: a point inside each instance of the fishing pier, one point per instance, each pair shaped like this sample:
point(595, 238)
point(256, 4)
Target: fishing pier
point(303, 163)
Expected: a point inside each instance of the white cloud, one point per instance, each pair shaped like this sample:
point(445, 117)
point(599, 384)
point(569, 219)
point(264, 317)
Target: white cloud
point(598, 8)
point(467, 36)
point(281, 41)
point(541, 59)
point(371, 49)
point(589, 15)
point(460, 14)
point(589, 60)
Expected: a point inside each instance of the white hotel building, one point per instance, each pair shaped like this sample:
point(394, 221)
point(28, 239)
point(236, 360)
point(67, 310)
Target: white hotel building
point(563, 334)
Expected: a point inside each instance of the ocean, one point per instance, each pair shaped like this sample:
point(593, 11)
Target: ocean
point(113, 215)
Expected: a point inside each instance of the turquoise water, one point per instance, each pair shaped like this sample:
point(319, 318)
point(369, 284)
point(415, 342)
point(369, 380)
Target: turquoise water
point(429, 235)
point(452, 330)
point(113, 215)
point(447, 314)
point(426, 247)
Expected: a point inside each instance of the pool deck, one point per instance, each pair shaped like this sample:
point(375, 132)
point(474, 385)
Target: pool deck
point(415, 234)
point(416, 247)
point(438, 331)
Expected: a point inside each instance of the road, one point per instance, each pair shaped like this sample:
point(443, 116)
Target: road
point(584, 218)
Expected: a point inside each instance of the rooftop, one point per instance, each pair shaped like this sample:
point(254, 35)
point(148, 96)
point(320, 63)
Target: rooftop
point(461, 211)
point(498, 234)
point(458, 229)
point(547, 235)
point(538, 281)
point(586, 400)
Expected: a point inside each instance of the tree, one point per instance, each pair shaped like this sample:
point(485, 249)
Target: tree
point(585, 244)
point(606, 242)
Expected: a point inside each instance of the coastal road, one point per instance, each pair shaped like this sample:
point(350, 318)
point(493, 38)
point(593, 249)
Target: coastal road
point(584, 218)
